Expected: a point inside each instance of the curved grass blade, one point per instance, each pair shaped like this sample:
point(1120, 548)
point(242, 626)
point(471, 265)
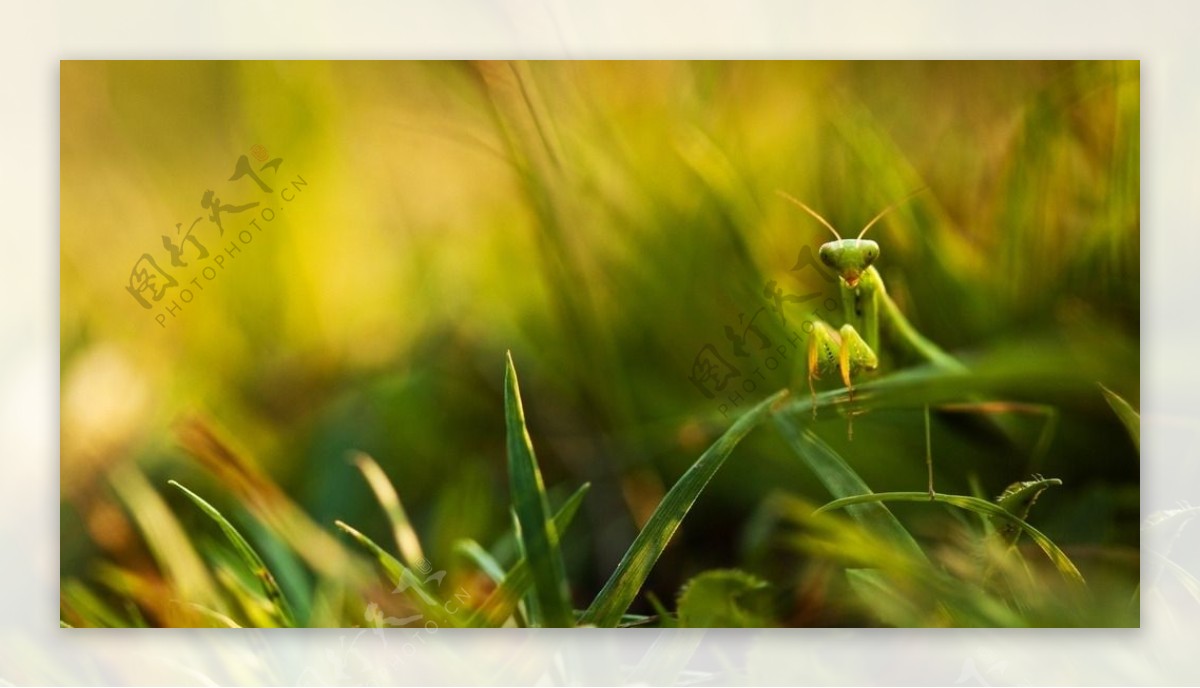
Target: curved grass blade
point(538, 536)
point(1130, 418)
point(400, 575)
point(840, 479)
point(622, 587)
point(166, 539)
point(477, 555)
point(407, 542)
point(1061, 561)
point(1018, 499)
point(248, 555)
point(503, 600)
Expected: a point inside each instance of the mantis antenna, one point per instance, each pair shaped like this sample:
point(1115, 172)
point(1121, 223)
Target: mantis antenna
point(814, 213)
point(887, 210)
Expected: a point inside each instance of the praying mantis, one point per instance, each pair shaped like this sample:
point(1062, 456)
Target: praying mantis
point(866, 306)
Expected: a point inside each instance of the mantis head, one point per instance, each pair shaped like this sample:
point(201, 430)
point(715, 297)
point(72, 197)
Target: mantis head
point(849, 257)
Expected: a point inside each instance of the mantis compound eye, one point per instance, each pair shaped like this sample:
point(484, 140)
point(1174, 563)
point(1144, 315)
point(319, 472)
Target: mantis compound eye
point(826, 256)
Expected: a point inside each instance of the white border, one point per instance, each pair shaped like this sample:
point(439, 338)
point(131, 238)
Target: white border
point(36, 35)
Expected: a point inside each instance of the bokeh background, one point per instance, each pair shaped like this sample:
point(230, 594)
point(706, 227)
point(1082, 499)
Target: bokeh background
point(603, 221)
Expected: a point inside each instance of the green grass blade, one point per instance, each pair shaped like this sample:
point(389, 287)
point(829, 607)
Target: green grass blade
point(1060, 560)
point(503, 600)
point(257, 610)
point(248, 555)
point(167, 541)
point(623, 586)
point(538, 536)
point(476, 554)
point(1130, 418)
point(842, 481)
point(400, 575)
point(407, 543)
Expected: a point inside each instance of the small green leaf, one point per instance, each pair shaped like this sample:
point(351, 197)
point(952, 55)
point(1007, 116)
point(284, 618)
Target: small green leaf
point(725, 599)
point(1018, 499)
point(623, 586)
point(248, 555)
point(1130, 418)
point(982, 506)
point(538, 536)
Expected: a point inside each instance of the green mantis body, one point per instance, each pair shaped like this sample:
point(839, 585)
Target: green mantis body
point(867, 307)
point(868, 310)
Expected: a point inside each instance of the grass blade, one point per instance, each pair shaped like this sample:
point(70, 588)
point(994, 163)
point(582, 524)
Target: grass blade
point(538, 536)
point(476, 554)
point(407, 543)
point(248, 555)
point(1130, 418)
point(400, 575)
point(1061, 561)
point(622, 587)
point(167, 542)
point(840, 479)
point(503, 600)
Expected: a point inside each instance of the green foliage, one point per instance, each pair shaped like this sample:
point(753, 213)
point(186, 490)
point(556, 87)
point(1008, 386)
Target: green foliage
point(518, 580)
point(886, 567)
point(623, 586)
point(1018, 499)
point(550, 603)
point(249, 557)
point(841, 481)
point(1129, 417)
point(725, 599)
point(1056, 555)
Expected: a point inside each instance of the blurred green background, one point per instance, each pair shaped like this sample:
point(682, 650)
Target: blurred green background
point(604, 221)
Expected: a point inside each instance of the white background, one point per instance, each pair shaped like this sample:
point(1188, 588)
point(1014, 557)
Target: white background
point(34, 37)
